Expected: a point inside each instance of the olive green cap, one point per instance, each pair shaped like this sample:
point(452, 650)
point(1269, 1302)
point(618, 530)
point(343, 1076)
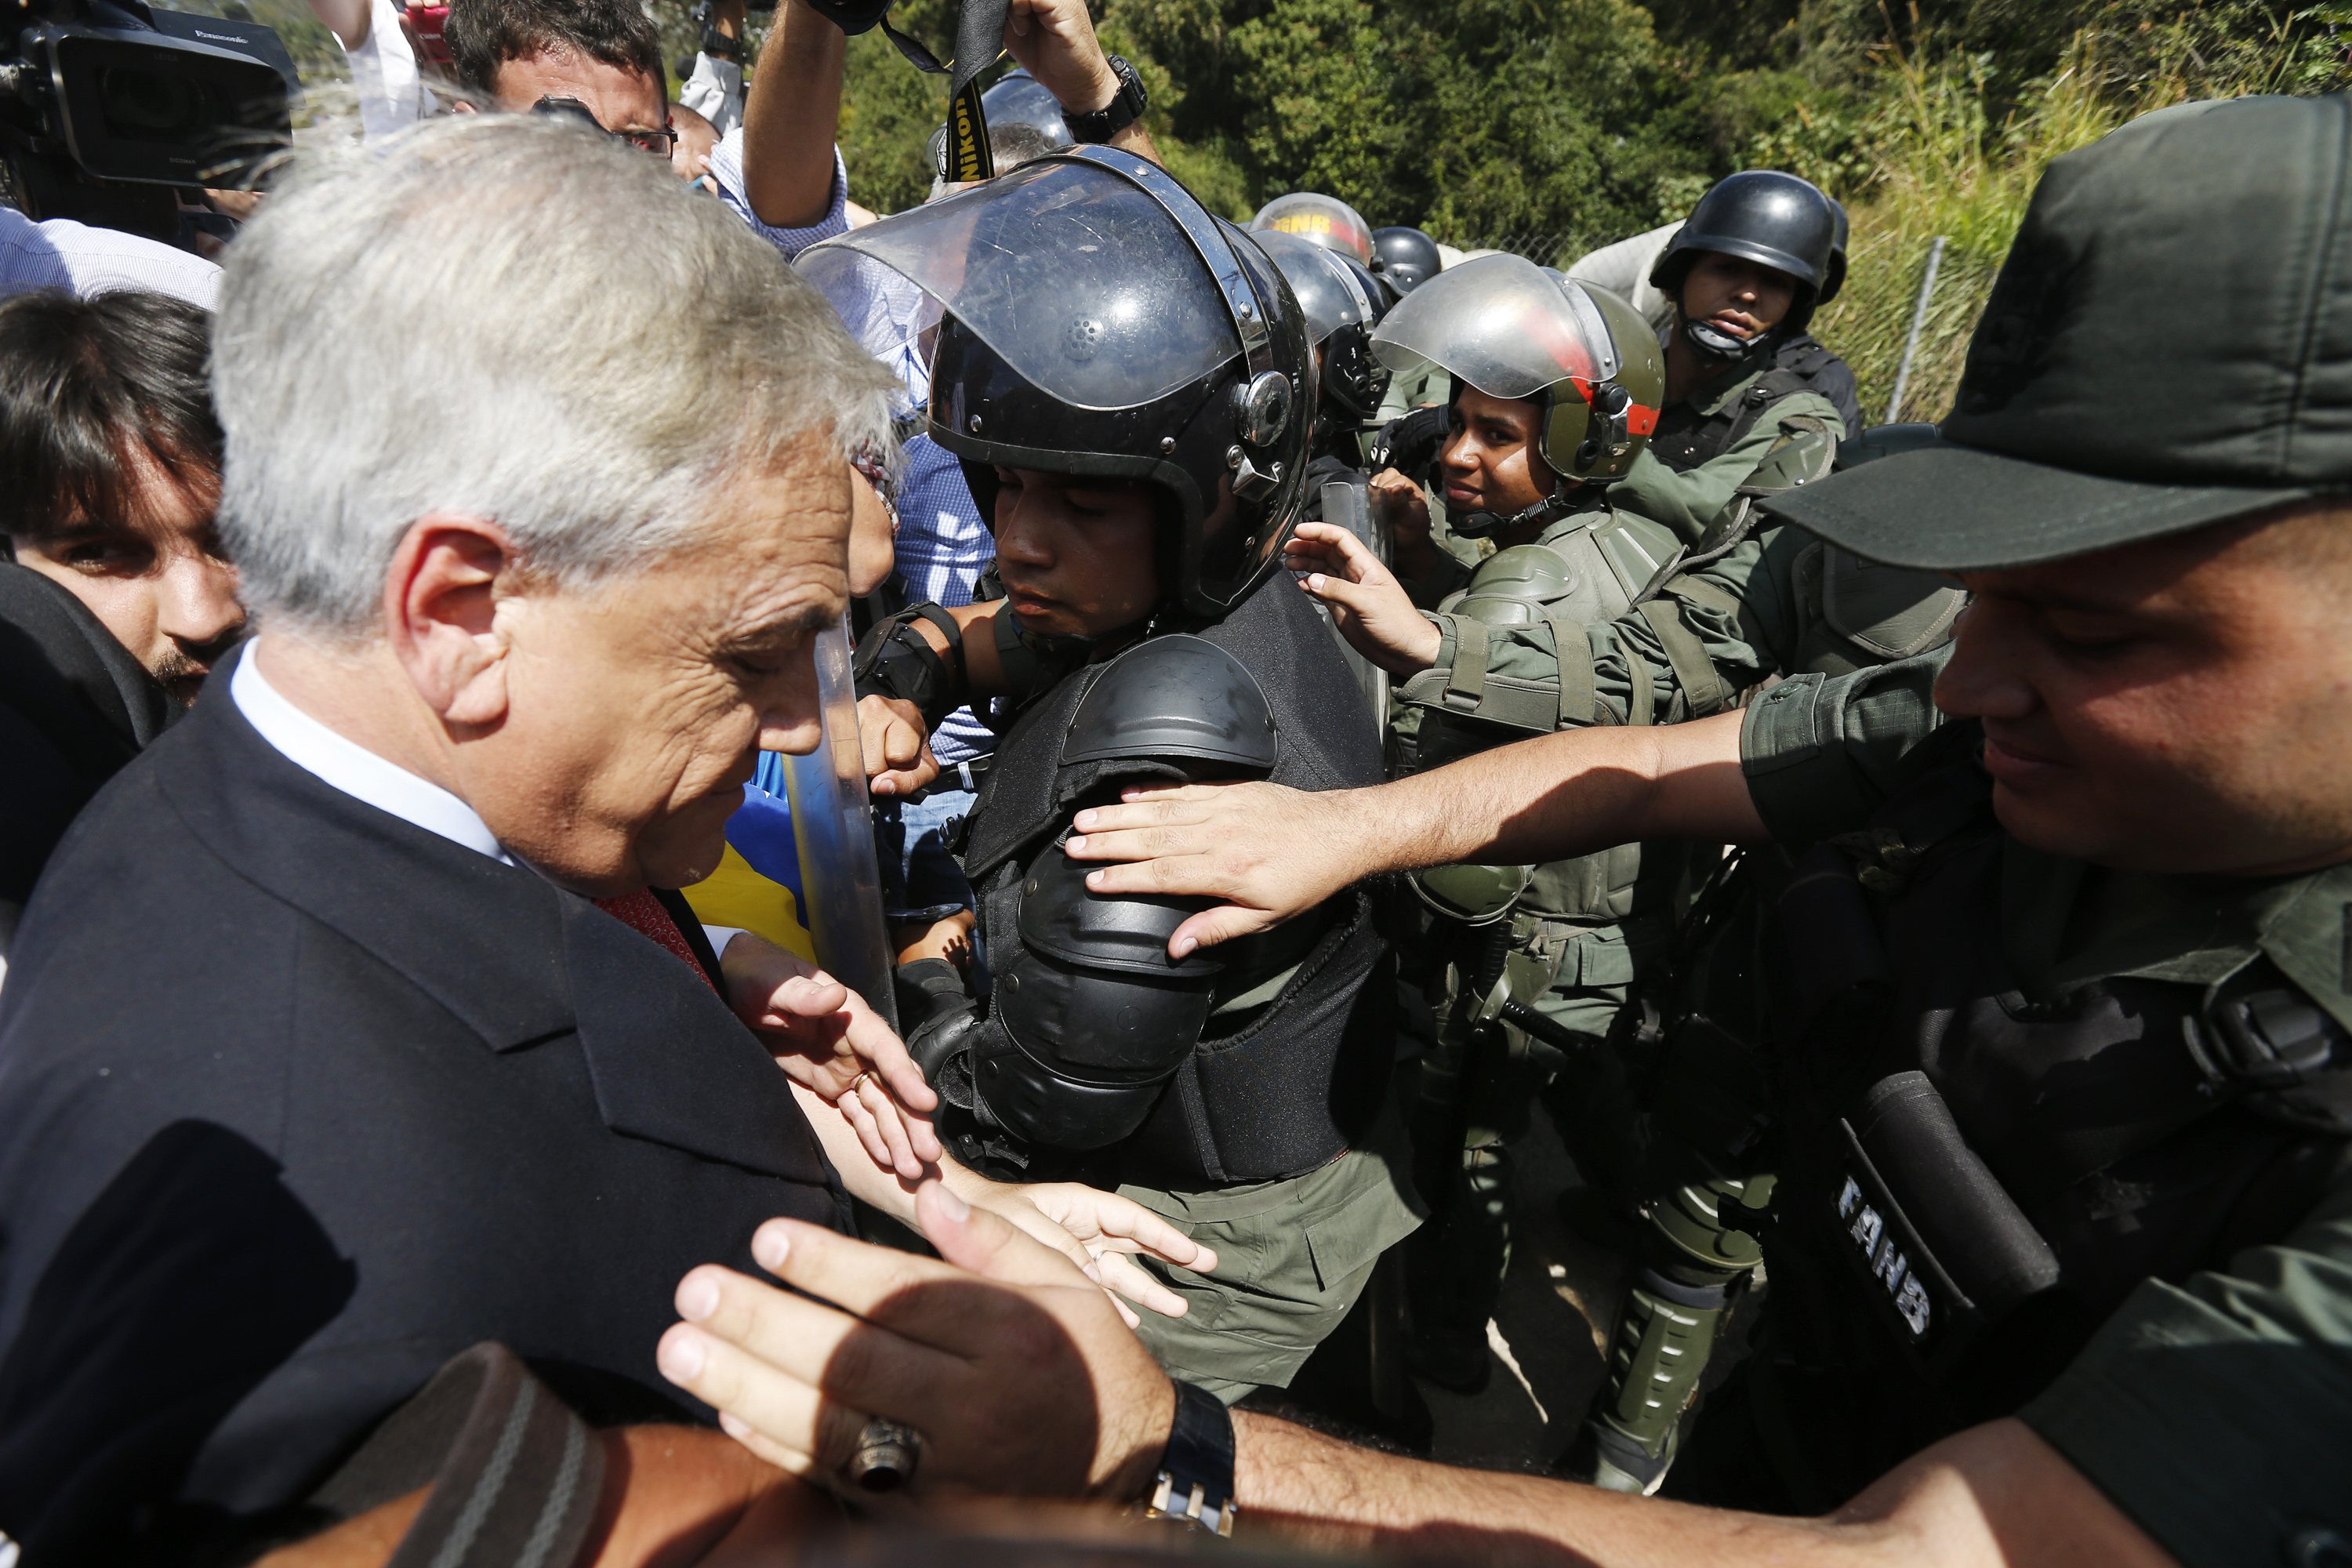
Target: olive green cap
point(2168, 345)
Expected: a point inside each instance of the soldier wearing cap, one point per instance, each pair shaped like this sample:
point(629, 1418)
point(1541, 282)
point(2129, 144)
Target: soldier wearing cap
point(2061, 1259)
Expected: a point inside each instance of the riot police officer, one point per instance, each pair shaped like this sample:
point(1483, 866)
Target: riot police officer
point(1714, 618)
point(1554, 388)
point(1341, 302)
point(1320, 220)
point(1130, 387)
point(1744, 273)
point(1405, 257)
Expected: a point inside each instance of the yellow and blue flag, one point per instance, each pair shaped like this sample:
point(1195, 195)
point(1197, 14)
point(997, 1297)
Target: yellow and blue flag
point(758, 885)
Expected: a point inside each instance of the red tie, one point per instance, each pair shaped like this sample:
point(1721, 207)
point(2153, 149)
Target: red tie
point(643, 914)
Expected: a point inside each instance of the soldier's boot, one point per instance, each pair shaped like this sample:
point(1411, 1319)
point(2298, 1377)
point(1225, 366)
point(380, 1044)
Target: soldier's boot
point(1666, 1332)
point(1457, 1262)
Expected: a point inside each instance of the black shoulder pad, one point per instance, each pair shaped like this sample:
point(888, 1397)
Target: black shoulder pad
point(1174, 697)
point(1127, 933)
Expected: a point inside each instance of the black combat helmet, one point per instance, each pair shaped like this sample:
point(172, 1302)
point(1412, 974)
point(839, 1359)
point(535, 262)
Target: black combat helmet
point(1835, 279)
point(1324, 220)
point(1763, 215)
point(1406, 257)
point(1094, 320)
point(1340, 311)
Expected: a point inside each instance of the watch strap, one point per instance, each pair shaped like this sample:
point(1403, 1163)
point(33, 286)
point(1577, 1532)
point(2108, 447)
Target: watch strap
point(1195, 1484)
point(1124, 109)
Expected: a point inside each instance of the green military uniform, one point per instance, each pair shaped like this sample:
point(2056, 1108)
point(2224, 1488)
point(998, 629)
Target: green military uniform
point(1292, 1257)
point(2060, 1140)
point(2198, 1398)
point(1522, 651)
point(1770, 604)
point(1735, 421)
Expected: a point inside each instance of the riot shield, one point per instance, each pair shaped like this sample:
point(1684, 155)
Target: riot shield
point(833, 829)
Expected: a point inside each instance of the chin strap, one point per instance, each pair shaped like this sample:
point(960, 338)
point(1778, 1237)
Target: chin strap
point(1483, 524)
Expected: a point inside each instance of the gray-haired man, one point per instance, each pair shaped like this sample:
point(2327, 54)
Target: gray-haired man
point(344, 1032)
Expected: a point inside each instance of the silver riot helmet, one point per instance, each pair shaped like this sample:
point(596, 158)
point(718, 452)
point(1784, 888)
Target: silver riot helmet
point(1093, 319)
point(1020, 99)
point(1340, 309)
point(1513, 329)
point(1318, 219)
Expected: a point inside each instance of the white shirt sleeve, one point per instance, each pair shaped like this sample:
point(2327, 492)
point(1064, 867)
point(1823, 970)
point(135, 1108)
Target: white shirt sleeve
point(384, 74)
point(75, 257)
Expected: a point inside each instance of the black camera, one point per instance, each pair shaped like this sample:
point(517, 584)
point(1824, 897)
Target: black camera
point(105, 105)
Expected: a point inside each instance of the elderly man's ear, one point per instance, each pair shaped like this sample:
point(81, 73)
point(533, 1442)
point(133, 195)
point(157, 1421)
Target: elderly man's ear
point(441, 602)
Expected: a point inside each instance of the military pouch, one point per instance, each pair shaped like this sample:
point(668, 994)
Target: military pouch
point(1474, 895)
point(1937, 1252)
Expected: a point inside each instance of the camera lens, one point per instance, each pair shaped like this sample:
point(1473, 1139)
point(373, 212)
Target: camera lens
point(149, 105)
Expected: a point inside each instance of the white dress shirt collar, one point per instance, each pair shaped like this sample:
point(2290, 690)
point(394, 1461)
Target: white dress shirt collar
point(343, 763)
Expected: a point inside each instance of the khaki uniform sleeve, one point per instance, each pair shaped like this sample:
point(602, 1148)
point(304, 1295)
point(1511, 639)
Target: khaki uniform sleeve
point(1685, 654)
point(1690, 501)
point(2218, 1413)
point(1821, 753)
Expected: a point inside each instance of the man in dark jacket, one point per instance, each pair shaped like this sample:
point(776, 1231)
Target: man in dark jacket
point(346, 1029)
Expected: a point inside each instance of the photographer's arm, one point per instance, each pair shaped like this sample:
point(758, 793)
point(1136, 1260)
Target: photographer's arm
point(347, 19)
point(790, 119)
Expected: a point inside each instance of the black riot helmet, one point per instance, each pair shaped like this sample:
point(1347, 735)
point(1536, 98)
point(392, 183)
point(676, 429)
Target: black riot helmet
point(1094, 320)
point(1763, 215)
point(1020, 99)
point(1406, 257)
point(1336, 295)
point(1835, 279)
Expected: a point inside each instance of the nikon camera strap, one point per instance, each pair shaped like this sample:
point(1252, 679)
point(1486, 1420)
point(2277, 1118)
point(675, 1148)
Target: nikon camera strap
point(979, 44)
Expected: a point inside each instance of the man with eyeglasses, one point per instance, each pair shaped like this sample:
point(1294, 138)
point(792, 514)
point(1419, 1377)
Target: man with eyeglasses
point(598, 61)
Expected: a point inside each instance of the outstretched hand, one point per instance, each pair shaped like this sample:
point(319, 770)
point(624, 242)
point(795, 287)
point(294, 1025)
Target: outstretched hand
point(1270, 851)
point(1370, 607)
point(1007, 1360)
point(1102, 1233)
point(832, 1043)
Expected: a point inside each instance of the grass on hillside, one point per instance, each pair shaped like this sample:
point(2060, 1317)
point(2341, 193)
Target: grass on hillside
point(1940, 166)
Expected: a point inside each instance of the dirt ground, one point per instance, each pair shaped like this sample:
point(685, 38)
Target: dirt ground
point(1545, 1338)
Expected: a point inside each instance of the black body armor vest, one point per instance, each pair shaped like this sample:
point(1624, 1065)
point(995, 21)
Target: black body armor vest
point(1292, 1060)
point(1686, 438)
point(1973, 1181)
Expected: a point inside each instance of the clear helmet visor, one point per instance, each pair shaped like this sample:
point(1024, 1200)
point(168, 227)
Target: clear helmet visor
point(1328, 297)
point(1079, 279)
point(1501, 324)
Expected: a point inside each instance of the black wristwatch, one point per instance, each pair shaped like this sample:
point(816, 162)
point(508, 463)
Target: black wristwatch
point(1124, 109)
point(1195, 1485)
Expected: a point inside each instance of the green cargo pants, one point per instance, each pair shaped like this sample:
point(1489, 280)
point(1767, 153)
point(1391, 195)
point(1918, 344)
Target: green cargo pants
point(1292, 1258)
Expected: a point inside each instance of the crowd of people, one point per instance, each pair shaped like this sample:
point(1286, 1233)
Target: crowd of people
point(1317, 697)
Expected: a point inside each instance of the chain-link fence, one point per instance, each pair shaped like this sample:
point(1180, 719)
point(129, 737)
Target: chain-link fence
point(1544, 248)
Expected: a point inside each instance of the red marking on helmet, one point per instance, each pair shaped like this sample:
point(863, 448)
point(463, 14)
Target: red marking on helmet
point(1641, 421)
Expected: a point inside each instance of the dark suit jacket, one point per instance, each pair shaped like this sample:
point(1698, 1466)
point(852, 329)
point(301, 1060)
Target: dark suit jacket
point(74, 707)
point(298, 1101)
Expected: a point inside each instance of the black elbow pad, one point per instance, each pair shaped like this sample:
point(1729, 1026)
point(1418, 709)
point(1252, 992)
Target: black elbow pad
point(1093, 1015)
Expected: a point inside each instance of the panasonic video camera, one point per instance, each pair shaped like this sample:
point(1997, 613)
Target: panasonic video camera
point(110, 109)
